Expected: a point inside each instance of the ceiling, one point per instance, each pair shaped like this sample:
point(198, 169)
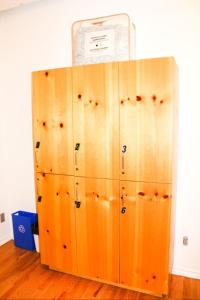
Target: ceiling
point(9, 4)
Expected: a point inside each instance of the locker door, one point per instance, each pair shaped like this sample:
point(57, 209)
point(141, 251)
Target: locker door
point(145, 236)
point(56, 213)
point(156, 84)
point(147, 92)
point(97, 223)
point(52, 121)
point(96, 120)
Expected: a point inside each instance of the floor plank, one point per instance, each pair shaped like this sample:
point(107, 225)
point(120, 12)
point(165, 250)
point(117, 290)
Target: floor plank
point(22, 277)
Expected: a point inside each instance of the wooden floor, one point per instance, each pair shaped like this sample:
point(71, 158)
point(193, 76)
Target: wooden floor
point(23, 277)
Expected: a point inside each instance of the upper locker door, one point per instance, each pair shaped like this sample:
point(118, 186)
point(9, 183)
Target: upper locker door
point(56, 215)
point(52, 121)
point(146, 125)
point(97, 228)
point(96, 120)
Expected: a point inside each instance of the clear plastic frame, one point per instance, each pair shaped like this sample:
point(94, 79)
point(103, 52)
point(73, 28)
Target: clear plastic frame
point(103, 39)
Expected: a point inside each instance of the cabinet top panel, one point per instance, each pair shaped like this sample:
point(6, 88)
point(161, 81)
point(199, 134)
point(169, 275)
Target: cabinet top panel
point(171, 59)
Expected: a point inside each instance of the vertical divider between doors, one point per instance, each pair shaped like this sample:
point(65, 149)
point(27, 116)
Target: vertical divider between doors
point(137, 92)
point(73, 141)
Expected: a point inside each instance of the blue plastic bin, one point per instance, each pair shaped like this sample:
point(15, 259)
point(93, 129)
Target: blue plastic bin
point(23, 236)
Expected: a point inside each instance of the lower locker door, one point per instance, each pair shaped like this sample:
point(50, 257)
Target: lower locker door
point(145, 235)
point(57, 221)
point(97, 225)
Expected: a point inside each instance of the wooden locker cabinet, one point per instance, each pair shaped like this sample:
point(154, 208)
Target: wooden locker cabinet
point(104, 137)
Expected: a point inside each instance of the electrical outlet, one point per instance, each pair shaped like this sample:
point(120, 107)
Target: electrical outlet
point(185, 240)
point(2, 217)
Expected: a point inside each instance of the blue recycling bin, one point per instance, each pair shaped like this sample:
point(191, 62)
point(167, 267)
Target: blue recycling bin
point(22, 222)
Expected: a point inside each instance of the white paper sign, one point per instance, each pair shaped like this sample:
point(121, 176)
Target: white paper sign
point(98, 43)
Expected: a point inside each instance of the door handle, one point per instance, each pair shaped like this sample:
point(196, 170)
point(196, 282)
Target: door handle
point(76, 159)
point(77, 202)
point(124, 149)
point(123, 209)
point(37, 146)
point(122, 162)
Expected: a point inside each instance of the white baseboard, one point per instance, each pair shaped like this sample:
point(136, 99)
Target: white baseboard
point(5, 239)
point(186, 272)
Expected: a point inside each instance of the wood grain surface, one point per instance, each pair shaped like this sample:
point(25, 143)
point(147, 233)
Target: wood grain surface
point(23, 277)
point(145, 236)
point(97, 228)
point(104, 139)
point(56, 213)
point(147, 92)
point(52, 121)
point(96, 120)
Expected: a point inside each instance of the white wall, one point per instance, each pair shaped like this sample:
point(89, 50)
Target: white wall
point(37, 36)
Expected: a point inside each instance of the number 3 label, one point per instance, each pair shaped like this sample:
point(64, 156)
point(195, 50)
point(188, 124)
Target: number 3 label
point(124, 148)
